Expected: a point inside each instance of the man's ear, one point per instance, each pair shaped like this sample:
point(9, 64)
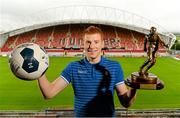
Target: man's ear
point(103, 44)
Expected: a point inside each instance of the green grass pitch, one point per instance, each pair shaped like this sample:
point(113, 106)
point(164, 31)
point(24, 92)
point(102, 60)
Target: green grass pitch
point(16, 94)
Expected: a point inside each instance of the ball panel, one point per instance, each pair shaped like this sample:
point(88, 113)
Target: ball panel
point(42, 58)
point(27, 53)
point(30, 65)
point(16, 56)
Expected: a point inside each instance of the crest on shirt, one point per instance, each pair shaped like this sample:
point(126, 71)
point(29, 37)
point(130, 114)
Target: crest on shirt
point(82, 71)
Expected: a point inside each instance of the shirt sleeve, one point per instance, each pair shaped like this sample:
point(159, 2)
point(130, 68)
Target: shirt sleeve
point(67, 73)
point(119, 75)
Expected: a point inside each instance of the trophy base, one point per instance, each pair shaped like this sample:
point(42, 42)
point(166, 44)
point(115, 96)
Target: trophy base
point(150, 82)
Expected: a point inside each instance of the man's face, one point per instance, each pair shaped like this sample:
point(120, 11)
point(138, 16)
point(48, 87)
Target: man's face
point(93, 45)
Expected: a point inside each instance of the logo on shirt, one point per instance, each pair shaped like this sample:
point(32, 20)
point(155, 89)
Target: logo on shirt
point(82, 71)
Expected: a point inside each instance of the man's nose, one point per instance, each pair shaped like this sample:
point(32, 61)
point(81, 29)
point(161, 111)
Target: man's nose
point(91, 45)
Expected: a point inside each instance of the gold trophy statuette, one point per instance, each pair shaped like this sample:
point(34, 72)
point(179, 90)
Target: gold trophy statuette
point(143, 79)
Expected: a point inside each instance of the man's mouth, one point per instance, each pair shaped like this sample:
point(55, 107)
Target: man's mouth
point(91, 51)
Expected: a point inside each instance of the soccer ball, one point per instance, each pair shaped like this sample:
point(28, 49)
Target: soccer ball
point(28, 61)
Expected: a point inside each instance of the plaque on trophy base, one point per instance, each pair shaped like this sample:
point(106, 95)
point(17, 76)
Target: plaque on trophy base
point(149, 81)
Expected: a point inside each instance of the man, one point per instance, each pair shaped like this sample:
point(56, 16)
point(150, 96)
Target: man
point(93, 79)
point(153, 40)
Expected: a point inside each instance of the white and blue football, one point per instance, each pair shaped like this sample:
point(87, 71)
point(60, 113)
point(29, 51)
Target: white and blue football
point(28, 61)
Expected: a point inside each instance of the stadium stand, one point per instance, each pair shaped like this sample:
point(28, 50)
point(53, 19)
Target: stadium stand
point(69, 37)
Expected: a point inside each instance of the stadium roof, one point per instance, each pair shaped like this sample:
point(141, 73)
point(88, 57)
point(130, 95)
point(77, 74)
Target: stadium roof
point(88, 14)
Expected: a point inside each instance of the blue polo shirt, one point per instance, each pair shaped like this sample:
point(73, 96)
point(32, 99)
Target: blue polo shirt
point(93, 86)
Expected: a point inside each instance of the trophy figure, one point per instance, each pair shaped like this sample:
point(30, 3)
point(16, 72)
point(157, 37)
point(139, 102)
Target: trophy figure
point(143, 79)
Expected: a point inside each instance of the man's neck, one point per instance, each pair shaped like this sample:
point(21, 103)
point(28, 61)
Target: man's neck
point(94, 61)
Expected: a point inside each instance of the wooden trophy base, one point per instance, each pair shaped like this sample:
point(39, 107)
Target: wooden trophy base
point(151, 82)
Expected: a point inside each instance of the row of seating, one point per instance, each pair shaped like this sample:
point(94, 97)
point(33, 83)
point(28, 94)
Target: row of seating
point(70, 36)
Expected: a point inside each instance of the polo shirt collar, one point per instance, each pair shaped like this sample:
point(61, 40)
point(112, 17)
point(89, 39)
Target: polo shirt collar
point(88, 63)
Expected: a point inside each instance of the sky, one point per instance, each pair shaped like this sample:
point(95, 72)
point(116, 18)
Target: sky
point(165, 13)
